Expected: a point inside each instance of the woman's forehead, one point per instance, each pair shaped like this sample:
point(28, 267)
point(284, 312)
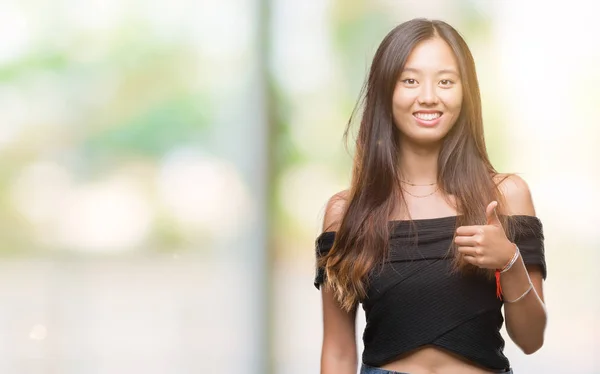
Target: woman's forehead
point(432, 56)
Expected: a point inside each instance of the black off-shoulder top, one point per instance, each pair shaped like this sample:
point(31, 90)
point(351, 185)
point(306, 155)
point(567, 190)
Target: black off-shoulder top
point(414, 299)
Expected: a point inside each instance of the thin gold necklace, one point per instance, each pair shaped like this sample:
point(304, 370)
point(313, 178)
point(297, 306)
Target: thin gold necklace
point(419, 185)
point(420, 196)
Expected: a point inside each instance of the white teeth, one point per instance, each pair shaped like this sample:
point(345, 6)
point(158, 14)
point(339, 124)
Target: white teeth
point(428, 116)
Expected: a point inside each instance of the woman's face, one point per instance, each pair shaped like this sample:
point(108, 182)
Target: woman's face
point(428, 95)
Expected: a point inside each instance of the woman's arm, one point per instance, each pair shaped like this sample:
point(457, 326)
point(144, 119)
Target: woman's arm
point(339, 352)
point(526, 318)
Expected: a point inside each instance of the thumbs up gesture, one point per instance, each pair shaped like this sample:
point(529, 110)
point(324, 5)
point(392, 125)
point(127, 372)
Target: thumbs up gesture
point(485, 246)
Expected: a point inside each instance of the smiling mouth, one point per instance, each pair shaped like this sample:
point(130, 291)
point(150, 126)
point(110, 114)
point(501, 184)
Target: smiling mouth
point(427, 116)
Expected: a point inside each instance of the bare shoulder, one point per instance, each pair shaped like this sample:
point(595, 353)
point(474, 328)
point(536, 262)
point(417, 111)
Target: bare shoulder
point(335, 210)
point(516, 193)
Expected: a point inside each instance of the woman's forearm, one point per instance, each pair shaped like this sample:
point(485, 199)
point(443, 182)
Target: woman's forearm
point(525, 317)
point(340, 362)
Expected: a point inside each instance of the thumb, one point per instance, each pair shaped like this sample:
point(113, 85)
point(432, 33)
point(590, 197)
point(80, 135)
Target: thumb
point(490, 213)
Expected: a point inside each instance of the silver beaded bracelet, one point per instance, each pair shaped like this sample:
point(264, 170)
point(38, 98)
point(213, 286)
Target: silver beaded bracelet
point(522, 296)
point(512, 260)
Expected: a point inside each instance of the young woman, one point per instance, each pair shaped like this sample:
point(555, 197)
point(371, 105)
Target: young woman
point(429, 238)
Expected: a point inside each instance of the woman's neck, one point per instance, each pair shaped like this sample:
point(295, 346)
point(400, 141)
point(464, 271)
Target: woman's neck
point(419, 166)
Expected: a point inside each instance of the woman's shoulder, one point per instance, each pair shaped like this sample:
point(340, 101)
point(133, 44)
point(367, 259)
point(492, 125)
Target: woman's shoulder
point(516, 194)
point(335, 210)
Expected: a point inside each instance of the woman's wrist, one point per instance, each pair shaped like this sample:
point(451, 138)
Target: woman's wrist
point(513, 275)
point(512, 260)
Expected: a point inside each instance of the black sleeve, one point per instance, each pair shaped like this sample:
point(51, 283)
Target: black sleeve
point(322, 246)
point(528, 235)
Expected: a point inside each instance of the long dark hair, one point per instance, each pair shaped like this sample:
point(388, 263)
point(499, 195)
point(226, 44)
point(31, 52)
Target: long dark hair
point(464, 169)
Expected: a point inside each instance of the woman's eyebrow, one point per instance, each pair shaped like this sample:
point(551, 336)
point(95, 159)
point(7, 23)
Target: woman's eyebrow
point(442, 71)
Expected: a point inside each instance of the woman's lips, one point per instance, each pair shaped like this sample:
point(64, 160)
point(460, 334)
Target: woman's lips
point(428, 119)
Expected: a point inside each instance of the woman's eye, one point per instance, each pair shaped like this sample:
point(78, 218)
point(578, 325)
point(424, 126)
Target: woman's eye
point(446, 82)
point(409, 81)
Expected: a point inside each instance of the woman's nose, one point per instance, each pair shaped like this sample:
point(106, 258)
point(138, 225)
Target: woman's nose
point(427, 95)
